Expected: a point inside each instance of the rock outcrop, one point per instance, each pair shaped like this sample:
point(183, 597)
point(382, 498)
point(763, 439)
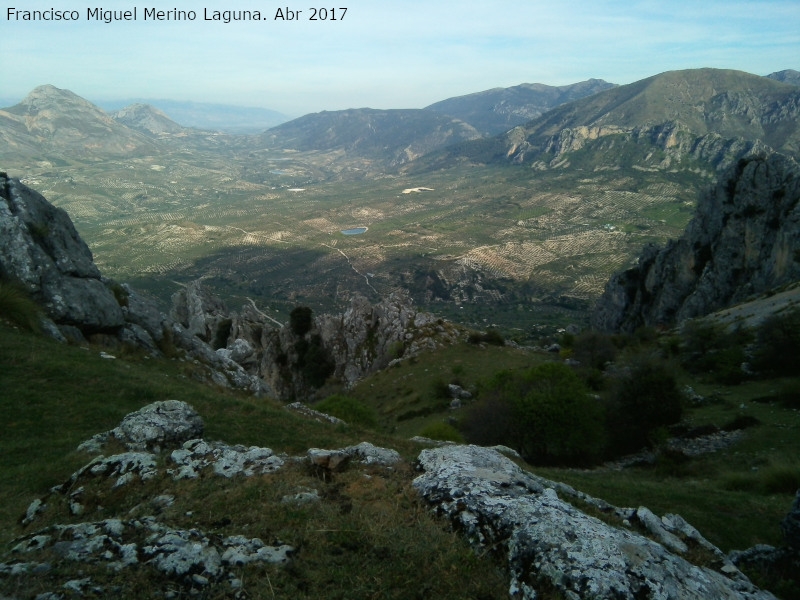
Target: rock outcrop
point(41, 251)
point(551, 545)
point(347, 347)
point(743, 241)
point(180, 560)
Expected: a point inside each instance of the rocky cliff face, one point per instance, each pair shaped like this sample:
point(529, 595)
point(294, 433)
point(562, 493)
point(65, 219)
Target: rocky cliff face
point(349, 346)
point(41, 250)
point(743, 241)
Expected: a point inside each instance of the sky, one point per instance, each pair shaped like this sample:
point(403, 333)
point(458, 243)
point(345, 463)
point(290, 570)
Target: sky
point(381, 53)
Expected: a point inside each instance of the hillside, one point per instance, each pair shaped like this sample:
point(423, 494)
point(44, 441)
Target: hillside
point(786, 76)
point(497, 110)
point(56, 123)
point(146, 119)
point(657, 121)
point(390, 137)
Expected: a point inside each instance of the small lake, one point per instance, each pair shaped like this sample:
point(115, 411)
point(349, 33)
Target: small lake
point(354, 231)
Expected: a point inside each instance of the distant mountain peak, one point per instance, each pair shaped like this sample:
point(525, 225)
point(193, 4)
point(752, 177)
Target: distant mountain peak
point(789, 76)
point(147, 119)
point(499, 109)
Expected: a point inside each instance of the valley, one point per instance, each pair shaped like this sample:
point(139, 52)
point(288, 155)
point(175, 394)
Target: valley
point(518, 231)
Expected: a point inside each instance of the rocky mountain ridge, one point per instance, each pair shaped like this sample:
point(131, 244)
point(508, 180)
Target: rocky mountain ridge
point(53, 121)
point(395, 136)
point(707, 115)
point(146, 119)
point(743, 241)
point(497, 110)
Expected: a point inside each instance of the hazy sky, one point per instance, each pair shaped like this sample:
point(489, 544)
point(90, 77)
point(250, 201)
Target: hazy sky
point(384, 53)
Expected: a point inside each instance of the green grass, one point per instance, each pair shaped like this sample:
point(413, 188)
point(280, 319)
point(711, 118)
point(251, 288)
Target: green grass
point(368, 537)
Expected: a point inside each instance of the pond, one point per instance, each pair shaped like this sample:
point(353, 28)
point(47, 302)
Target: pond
point(354, 231)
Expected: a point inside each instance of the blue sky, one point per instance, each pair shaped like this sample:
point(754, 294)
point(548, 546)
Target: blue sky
point(385, 54)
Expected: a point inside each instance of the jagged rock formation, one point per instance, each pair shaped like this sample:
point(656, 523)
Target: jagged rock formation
point(743, 241)
point(347, 347)
point(41, 251)
point(40, 248)
point(549, 544)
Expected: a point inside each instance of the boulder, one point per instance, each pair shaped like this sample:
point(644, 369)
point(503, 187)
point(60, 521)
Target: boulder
point(551, 545)
point(41, 249)
point(163, 424)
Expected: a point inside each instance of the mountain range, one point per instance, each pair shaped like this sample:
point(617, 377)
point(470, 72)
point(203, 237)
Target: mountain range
point(534, 219)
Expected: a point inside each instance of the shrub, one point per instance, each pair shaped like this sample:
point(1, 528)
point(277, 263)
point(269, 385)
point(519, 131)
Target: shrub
point(778, 341)
point(642, 400)
point(18, 307)
point(443, 432)
point(711, 348)
point(348, 409)
point(490, 336)
point(301, 320)
point(545, 413)
point(315, 363)
point(222, 333)
point(594, 349)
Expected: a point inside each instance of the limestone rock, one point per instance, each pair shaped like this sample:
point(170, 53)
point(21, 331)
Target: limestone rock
point(551, 544)
point(366, 453)
point(162, 424)
point(791, 525)
point(743, 241)
point(198, 311)
point(364, 339)
point(227, 461)
point(40, 248)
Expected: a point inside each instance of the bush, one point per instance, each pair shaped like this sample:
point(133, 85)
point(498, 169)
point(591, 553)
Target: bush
point(643, 400)
point(778, 343)
point(301, 320)
point(348, 409)
point(16, 306)
point(545, 413)
point(443, 432)
point(711, 348)
point(491, 336)
point(315, 363)
point(594, 349)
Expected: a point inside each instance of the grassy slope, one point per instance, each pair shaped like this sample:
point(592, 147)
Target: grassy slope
point(52, 397)
point(370, 536)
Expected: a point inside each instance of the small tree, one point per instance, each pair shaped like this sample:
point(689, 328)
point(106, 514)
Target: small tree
point(301, 320)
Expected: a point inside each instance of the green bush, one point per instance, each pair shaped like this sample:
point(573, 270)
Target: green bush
point(778, 341)
point(348, 409)
point(490, 336)
point(301, 319)
point(16, 306)
point(443, 432)
point(642, 400)
point(594, 349)
point(713, 349)
point(545, 413)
